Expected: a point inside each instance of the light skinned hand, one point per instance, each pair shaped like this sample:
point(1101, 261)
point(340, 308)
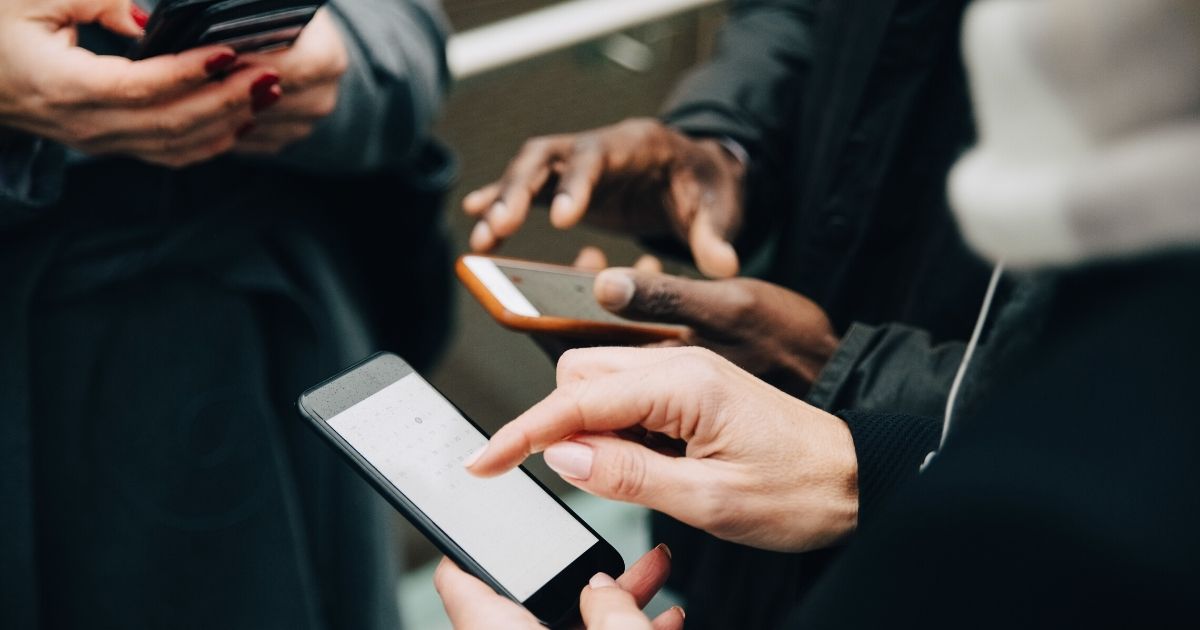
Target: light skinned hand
point(638, 176)
point(311, 72)
point(760, 468)
point(605, 604)
point(173, 110)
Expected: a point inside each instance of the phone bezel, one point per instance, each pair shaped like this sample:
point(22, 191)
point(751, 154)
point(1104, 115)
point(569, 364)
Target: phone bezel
point(556, 602)
point(632, 333)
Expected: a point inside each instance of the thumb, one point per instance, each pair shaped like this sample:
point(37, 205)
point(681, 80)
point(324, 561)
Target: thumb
point(118, 16)
point(604, 605)
point(622, 470)
point(714, 256)
point(664, 298)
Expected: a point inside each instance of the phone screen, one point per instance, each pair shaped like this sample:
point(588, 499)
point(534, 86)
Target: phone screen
point(418, 441)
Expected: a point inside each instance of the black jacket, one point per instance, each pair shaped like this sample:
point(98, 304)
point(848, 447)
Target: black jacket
point(1065, 496)
point(852, 113)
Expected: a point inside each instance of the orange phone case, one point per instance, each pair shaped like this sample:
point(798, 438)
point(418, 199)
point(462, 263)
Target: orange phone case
point(632, 333)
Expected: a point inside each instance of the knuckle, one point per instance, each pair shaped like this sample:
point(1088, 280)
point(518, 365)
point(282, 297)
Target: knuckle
point(660, 299)
point(628, 474)
point(326, 104)
point(568, 369)
point(702, 365)
point(132, 92)
point(742, 303)
point(172, 126)
point(535, 145)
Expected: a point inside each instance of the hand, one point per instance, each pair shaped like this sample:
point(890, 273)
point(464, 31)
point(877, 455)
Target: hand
point(760, 468)
point(170, 110)
point(311, 71)
point(604, 604)
point(775, 334)
point(638, 176)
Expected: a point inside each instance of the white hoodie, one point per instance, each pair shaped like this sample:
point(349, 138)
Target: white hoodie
point(1089, 119)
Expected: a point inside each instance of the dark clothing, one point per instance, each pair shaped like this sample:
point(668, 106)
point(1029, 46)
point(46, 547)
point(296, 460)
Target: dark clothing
point(852, 113)
point(157, 327)
point(155, 346)
point(1065, 495)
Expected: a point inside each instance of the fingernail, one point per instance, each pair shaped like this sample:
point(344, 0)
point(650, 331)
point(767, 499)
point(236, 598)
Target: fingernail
point(474, 199)
point(682, 615)
point(245, 130)
point(601, 580)
point(570, 459)
point(614, 289)
point(475, 456)
point(498, 212)
point(561, 205)
point(220, 62)
point(265, 92)
point(665, 549)
point(141, 17)
point(481, 236)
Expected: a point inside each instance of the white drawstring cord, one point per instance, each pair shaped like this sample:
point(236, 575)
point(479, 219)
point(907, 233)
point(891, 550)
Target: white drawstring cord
point(948, 418)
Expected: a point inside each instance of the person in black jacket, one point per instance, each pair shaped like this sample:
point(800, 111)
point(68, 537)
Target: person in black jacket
point(1062, 494)
point(173, 279)
point(811, 151)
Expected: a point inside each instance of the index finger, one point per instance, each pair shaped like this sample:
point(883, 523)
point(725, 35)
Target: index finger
point(651, 397)
point(86, 79)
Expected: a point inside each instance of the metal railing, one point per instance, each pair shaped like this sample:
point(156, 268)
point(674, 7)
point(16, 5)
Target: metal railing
point(504, 43)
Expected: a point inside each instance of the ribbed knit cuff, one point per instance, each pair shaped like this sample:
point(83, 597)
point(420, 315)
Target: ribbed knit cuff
point(890, 449)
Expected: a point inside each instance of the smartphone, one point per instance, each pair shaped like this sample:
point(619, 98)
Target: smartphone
point(555, 299)
point(244, 25)
point(410, 442)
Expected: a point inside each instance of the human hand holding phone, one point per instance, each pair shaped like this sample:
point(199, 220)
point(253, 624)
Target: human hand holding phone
point(172, 110)
point(604, 603)
point(410, 443)
point(311, 71)
point(760, 468)
point(772, 332)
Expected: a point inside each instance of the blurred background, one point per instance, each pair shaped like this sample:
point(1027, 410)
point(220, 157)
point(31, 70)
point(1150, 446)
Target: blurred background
point(526, 68)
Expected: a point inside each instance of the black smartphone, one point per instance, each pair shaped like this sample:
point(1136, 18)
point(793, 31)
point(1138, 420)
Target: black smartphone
point(409, 441)
point(244, 25)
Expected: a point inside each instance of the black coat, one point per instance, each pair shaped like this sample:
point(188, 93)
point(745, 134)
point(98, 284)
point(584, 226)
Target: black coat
point(852, 113)
point(157, 329)
point(1066, 494)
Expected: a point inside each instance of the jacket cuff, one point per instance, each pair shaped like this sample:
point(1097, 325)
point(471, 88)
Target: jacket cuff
point(833, 378)
point(890, 449)
point(31, 172)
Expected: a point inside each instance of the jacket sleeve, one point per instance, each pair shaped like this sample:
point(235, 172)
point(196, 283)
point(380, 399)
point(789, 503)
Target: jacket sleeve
point(890, 450)
point(750, 93)
point(391, 92)
point(750, 89)
point(890, 368)
point(31, 171)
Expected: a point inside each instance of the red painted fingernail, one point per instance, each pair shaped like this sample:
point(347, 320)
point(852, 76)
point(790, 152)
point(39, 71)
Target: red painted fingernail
point(220, 62)
point(245, 130)
point(265, 92)
point(141, 17)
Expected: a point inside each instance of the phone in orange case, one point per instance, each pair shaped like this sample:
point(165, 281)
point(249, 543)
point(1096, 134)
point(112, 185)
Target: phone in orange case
point(537, 297)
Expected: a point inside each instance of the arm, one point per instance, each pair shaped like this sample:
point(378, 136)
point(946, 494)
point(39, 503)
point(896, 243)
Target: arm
point(391, 91)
